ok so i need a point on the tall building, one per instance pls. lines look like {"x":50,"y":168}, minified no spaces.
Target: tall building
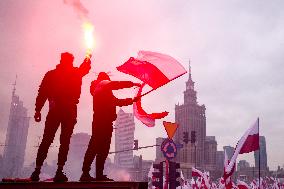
{"x":210,"y":153}
{"x":220,"y":160}
{"x":263,"y":154}
{"x":242,"y":165}
{"x":229,"y":150}
{"x":159,"y":153}
{"x":77,"y":149}
{"x":16,"y":138}
{"x":124,"y":139}
{"x":190,"y":116}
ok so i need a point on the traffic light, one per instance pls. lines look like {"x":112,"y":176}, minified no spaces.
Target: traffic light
{"x":185,"y":137}
{"x":193,"y":137}
{"x":135,"y":145}
{"x":173,"y":174}
{"x":157,"y":179}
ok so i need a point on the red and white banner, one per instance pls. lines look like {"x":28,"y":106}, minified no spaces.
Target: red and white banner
{"x":252,"y":141}
{"x":155,"y":69}
{"x":248,"y":143}
{"x":242,"y":185}
{"x":144,"y":117}
{"x":196,"y":173}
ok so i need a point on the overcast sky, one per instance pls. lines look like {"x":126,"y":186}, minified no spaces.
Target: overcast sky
{"x":236,"y":49}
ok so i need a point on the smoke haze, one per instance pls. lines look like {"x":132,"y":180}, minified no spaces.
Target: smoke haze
{"x":235,"y":48}
{"x":78,"y":7}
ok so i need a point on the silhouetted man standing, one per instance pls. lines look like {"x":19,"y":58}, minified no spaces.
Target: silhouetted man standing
{"x":104,"y":107}
{"x":62,"y":88}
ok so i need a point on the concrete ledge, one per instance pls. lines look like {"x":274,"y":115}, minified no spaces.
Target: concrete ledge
{"x":72,"y":185}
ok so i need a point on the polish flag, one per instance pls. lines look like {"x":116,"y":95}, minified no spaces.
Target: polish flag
{"x":196,"y":173}
{"x":242,"y":185}
{"x":204,"y":177}
{"x":155,"y":69}
{"x":182,"y":182}
{"x":150,"y":173}
{"x":144,"y":117}
{"x":252,"y":141}
{"x":227,"y":176}
{"x":248,"y":143}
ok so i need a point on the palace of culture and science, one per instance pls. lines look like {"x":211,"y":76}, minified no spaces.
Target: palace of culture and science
{"x":190,"y":116}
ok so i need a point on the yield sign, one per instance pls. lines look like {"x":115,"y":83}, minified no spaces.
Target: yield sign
{"x":170,"y":128}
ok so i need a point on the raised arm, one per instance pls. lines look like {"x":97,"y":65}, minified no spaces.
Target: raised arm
{"x":85,"y":67}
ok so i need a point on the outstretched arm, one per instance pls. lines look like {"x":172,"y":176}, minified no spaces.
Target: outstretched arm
{"x":124,"y":102}
{"x":115,"y":85}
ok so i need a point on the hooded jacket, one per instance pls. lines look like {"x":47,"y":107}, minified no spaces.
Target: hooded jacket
{"x":104,"y":102}
{"x":62,"y":86}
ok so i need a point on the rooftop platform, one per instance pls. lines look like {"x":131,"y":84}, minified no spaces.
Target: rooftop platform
{"x":74,"y":185}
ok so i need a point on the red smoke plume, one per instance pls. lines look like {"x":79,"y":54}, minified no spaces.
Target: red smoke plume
{"x":78,"y":7}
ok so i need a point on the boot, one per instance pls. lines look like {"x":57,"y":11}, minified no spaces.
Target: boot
{"x":103,"y":178}
{"x":60,"y":177}
{"x":86,"y":177}
{"x":35,"y":175}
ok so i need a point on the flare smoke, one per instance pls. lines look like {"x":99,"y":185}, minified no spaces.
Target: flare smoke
{"x":78,"y":7}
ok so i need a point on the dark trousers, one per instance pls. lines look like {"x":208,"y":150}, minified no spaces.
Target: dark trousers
{"x":65,"y":116}
{"x":98,"y":147}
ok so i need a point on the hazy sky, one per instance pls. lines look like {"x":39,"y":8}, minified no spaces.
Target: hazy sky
{"x":236,"y":50}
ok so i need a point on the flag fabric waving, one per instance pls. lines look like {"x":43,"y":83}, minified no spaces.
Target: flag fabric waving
{"x":155,"y":69}
{"x":248,"y":143}
{"x":196,"y":173}
{"x":252,"y":141}
{"x":144,"y":117}
{"x":242,"y":185}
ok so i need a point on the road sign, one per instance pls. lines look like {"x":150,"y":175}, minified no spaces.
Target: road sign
{"x":179,"y":145}
{"x":170,"y":128}
{"x":169,"y":149}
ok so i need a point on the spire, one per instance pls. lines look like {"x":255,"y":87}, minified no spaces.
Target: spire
{"x":189,"y":93}
{"x":189,"y":83}
{"x":189,"y":67}
{"x":189,"y":71}
{"x":15,"y":83}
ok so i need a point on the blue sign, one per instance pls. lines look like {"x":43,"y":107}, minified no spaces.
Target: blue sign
{"x":179,"y":145}
{"x":169,"y":149}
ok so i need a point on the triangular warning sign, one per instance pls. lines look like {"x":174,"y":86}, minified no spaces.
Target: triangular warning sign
{"x":170,"y":128}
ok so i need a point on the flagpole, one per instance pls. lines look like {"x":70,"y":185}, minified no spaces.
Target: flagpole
{"x":258,"y":154}
{"x":161,"y":85}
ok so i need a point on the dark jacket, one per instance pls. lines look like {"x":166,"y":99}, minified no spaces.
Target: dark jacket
{"x":61,"y":86}
{"x":104,"y":102}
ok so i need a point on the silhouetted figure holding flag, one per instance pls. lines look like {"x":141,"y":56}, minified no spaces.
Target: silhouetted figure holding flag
{"x":62,"y":88}
{"x":104,"y":107}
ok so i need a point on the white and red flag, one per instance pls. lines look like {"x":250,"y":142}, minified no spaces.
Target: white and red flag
{"x":196,"y":173}
{"x":242,"y":185}
{"x":227,"y":175}
{"x":144,"y":117}
{"x":248,"y":143}
{"x":155,"y":69}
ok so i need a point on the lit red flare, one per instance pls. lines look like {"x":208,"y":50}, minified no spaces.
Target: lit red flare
{"x":88,"y":28}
